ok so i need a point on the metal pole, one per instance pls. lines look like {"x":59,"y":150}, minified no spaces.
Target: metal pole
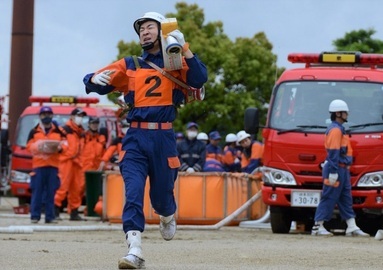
{"x":21,"y":61}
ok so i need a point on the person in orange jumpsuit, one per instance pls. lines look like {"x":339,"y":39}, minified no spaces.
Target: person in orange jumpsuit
{"x":251,"y":154}
{"x":70,"y":168}
{"x":115,"y":147}
{"x":94,"y":148}
{"x":44,"y":144}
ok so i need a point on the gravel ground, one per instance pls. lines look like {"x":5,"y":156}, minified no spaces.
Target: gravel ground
{"x":226,"y":248}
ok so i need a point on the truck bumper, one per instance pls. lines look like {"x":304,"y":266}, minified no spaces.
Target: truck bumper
{"x":20,"y":189}
{"x":281,"y":196}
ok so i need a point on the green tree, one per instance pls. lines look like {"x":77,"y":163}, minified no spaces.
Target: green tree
{"x":241,"y":72}
{"x":359,"y":40}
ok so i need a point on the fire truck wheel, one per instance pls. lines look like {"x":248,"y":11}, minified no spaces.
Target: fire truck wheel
{"x":280,"y":220}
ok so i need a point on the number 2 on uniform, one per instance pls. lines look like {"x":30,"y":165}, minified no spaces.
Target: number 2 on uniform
{"x":157,"y":83}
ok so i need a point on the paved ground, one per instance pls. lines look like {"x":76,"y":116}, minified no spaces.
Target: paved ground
{"x":94,"y":244}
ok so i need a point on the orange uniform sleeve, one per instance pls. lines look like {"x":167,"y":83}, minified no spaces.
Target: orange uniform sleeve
{"x":109,"y":153}
{"x":119,"y":78}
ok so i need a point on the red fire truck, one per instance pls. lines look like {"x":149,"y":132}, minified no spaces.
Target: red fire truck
{"x":62,"y":106}
{"x":294,"y":137}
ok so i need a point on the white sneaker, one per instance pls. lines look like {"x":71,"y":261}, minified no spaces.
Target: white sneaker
{"x":131,"y":261}
{"x":357,"y":232}
{"x":319,"y":230}
{"x":379,"y":235}
{"x":168,"y":230}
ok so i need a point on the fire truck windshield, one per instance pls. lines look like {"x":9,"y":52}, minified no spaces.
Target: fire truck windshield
{"x":297,"y":104}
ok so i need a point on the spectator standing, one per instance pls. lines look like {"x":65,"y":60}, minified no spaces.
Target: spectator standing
{"x":191,"y":152}
{"x":149,"y":147}
{"x":251,"y":154}
{"x":231,"y":154}
{"x":44,"y":142}
{"x":70,"y":168}
{"x":94,"y":148}
{"x":336,"y":175}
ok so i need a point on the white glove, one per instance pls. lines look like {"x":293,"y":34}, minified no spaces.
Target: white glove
{"x":236,"y":160}
{"x":190,"y":170}
{"x":179,"y":36}
{"x":102,"y":78}
{"x":332,"y":178}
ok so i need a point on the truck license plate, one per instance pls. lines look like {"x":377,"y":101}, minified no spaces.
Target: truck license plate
{"x":305,"y":198}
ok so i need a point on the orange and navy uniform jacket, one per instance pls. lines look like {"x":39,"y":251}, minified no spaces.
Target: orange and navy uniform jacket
{"x":38,"y":133}
{"x":114,"y":148}
{"x":252,"y":157}
{"x":154,"y":102}
{"x":75,"y":142}
{"x":212,"y":165}
{"x":94,"y":149}
{"x":214,"y":151}
{"x":229,"y":155}
{"x":338,"y":147}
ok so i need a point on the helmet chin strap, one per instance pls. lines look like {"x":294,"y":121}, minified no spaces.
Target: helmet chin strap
{"x":149,"y":45}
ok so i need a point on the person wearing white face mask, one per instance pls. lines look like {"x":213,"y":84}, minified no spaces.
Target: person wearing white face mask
{"x":191,"y":152}
{"x":70,"y":167}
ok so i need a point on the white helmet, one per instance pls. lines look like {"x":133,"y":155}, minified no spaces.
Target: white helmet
{"x":338,"y":105}
{"x":230,"y":138}
{"x":202,"y":136}
{"x":242,"y":135}
{"x":148,"y":16}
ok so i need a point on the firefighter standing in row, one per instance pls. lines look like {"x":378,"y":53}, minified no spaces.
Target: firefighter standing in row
{"x":70,"y":168}
{"x":336,"y":175}
{"x":149,"y":147}
{"x":94,"y":148}
{"x":44,"y":142}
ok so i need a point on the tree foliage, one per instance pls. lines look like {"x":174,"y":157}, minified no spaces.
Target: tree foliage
{"x":241,"y":72}
{"x":359,"y":40}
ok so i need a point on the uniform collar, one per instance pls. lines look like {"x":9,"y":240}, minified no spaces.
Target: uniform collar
{"x":148,"y":56}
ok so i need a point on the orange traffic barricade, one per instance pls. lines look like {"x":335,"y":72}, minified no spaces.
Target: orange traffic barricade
{"x":202,"y":198}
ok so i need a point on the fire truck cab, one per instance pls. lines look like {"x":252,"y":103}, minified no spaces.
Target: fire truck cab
{"x":293,"y":136}
{"x":62,"y":106}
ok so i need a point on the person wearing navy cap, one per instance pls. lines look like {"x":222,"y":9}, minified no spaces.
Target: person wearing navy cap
{"x":46,"y":109}
{"x":191,"y":152}
{"x":44,"y":144}
{"x":214,"y":153}
{"x":213,"y":149}
{"x":191,"y":124}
